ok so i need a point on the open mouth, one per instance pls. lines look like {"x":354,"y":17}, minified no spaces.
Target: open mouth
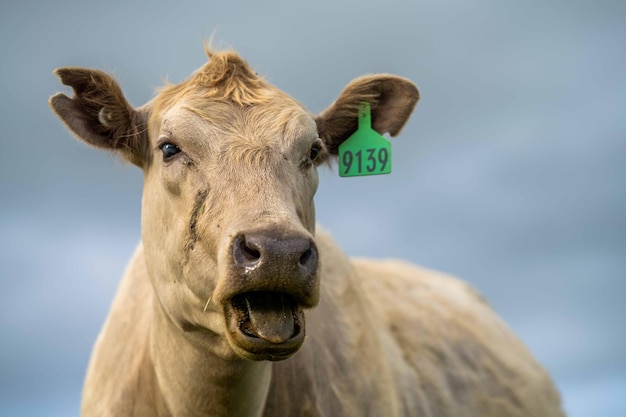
{"x":265,"y":325}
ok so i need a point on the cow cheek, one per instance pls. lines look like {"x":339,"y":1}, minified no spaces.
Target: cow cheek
{"x":200,"y":273}
{"x":308,"y":217}
{"x":173,"y":177}
{"x":163,"y":231}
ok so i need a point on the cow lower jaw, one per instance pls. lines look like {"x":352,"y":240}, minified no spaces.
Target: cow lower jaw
{"x":264,"y":325}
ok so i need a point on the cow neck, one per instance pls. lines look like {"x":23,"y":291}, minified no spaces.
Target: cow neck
{"x":199,"y":375}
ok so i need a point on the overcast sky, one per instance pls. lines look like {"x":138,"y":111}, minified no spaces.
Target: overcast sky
{"x":510,"y":174}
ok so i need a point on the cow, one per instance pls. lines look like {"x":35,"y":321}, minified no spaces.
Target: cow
{"x":236,"y":303}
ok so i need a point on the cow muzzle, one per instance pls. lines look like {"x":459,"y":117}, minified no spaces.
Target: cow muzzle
{"x":272,"y":279}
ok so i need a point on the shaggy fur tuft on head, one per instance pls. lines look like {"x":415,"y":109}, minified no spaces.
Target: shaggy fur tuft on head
{"x":226,"y":76}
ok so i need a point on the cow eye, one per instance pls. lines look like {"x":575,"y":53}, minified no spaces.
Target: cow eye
{"x":169,"y":150}
{"x":315,"y":151}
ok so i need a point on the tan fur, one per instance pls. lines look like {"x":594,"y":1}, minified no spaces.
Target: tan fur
{"x":385,"y":339}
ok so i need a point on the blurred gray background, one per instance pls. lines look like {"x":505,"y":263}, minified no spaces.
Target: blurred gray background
{"x":510,"y":174}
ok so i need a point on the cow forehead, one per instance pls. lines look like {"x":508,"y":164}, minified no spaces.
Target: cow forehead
{"x":217,"y":124}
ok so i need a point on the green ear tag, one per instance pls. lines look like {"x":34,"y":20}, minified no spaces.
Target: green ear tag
{"x":366,"y":152}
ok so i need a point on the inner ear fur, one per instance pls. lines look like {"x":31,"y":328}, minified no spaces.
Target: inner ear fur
{"x":392,"y":100}
{"x":99,"y":114}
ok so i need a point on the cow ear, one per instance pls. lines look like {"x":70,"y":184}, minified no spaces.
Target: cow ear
{"x":392,"y":100}
{"x":99,"y":114}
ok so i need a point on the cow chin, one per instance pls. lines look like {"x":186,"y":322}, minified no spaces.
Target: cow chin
{"x":264,"y":325}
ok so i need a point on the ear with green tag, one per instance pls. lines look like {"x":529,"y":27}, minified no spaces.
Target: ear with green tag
{"x":391,"y":99}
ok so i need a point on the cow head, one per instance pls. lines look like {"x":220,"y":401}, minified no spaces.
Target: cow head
{"x":230,"y":167}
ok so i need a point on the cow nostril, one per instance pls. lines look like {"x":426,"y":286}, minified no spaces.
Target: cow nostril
{"x":304,"y":258}
{"x":244,"y":254}
{"x":308,"y":259}
{"x":251,"y":254}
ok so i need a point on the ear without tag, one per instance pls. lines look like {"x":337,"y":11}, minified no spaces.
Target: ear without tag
{"x":365,"y":152}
